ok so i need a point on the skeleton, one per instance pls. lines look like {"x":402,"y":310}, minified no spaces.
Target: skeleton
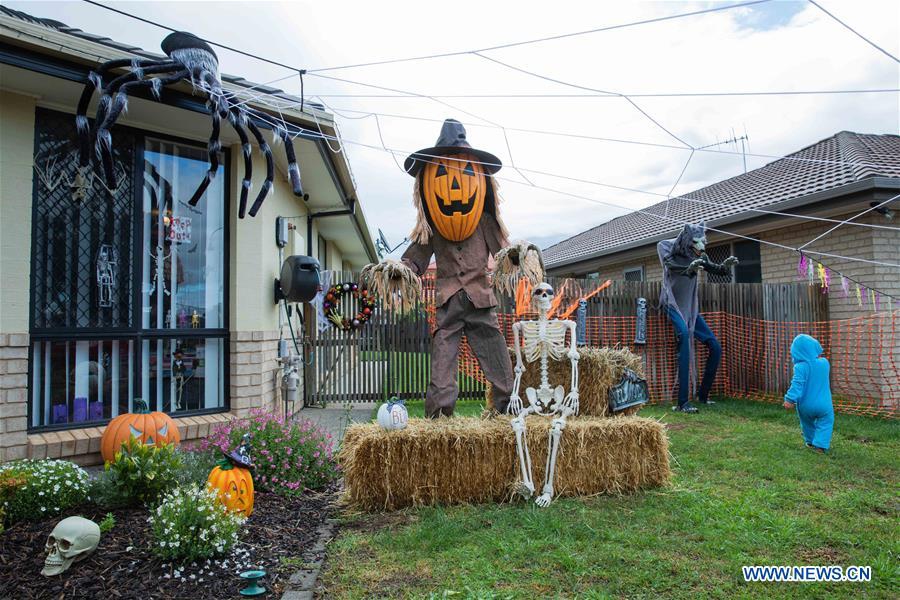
{"x":107,"y":262}
{"x":544,"y":339}
{"x":71,"y":540}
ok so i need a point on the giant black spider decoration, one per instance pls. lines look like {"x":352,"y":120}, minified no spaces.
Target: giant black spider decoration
{"x":189,"y":59}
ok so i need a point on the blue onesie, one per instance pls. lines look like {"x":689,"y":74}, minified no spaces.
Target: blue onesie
{"x":811,"y":391}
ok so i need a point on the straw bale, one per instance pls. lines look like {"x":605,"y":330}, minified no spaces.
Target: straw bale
{"x":598,"y":370}
{"x":472,"y":460}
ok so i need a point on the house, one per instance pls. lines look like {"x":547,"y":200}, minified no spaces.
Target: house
{"x":829,"y":181}
{"x":133,"y":293}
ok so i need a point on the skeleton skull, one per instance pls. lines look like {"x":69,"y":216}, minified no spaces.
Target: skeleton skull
{"x":543,"y":296}
{"x":71,"y":540}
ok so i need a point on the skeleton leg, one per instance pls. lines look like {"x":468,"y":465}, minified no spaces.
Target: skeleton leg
{"x":553,"y":441}
{"x":526,"y":487}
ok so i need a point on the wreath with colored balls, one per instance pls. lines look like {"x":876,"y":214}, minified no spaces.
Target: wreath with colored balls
{"x":332,"y":301}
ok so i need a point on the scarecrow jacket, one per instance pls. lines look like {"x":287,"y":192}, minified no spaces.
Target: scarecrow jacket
{"x":460,"y":265}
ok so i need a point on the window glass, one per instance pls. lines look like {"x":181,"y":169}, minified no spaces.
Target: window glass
{"x":718,"y":254}
{"x":82,"y":234}
{"x":182,"y":279}
{"x":183,"y":374}
{"x":80,"y":381}
{"x":749,"y":270}
{"x":634,"y":274}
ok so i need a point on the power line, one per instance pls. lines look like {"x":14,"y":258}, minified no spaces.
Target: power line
{"x":543,"y":39}
{"x":425,"y":157}
{"x":858,"y":34}
{"x":611,"y":95}
{"x":522,"y":170}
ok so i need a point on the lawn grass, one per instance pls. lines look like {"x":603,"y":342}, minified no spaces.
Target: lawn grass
{"x":412,"y":371}
{"x":745,"y":492}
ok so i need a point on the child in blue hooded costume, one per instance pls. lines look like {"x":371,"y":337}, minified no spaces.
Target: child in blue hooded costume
{"x":810,"y":391}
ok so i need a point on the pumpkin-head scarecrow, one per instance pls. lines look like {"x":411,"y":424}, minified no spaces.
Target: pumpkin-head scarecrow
{"x":458,"y":222}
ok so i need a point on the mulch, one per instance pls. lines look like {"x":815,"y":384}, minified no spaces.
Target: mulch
{"x":278,"y":537}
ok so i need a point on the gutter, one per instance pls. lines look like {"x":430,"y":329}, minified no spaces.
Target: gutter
{"x":870,"y":183}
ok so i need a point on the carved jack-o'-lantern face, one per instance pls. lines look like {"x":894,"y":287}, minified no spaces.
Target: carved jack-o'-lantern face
{"x":453,"y":188}
{"x":234,"y":486}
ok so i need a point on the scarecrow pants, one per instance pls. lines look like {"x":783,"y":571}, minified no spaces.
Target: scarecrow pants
{"x":457,"y":316}
{"x":703,"y":334}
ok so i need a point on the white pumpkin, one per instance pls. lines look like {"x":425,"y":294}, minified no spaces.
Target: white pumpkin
{"x":392,"y":415}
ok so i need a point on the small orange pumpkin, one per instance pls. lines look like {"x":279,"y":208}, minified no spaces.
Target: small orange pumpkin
{"x":234,"y":485}
{"x":453,"y":188}
{"x":151,"y":428}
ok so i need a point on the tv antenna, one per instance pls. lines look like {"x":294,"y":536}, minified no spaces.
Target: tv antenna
{"x":734,"y":139}
{"x":382,"y":246}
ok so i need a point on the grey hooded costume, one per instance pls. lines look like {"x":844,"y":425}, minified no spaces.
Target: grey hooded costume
{"x":678,"y":299}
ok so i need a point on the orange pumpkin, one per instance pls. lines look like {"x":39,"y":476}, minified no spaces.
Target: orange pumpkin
{"x":234,"y":485}
{"x":453,"y":188}
{"x":151,"y":428}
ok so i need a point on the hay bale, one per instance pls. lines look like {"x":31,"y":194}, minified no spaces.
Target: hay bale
{"x":598,"y":370}
{"x":470,"y":460}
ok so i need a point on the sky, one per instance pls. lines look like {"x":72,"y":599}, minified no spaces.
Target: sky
{"x":773,"y":46}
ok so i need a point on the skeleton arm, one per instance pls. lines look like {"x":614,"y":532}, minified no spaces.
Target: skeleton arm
{"x":515,"y":401}
{"x":571,"y":401}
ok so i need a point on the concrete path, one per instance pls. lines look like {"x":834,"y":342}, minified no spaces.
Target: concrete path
{"x":335,"y":419}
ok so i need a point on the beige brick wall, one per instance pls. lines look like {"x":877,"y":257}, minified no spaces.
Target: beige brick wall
{"x":780,"y":265}
{"x":254,"y":372}
{"x":13,"y":395}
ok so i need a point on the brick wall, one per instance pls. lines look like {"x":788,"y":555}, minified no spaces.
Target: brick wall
{"x":254,"y":371}
{"x":13,"y":404}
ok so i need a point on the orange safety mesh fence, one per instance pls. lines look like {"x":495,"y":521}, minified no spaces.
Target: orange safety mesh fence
{"x":864,"y":353}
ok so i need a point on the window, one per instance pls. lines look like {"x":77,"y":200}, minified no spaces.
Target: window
{"x":634,"y":273}
{"x":128,"y":288}
{"x":749,"y":269}
{"x":718,"y":254}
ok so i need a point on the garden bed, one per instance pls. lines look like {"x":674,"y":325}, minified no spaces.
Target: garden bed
{"x":278,"y":537}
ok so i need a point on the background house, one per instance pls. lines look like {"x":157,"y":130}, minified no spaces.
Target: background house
{"x":835,"y":178}
{"x":190,"y":325}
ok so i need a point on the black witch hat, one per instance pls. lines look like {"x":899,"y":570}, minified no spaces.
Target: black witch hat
{"x":452,"y":140}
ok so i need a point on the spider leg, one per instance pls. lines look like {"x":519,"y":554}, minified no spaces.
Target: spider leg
{"x":238,"y":119}
{"x":114,"y":101}
{"x":212,"y":148}
{"x":270,"y":167}
{"x":94,"y":82}
{"x":293,"y":166}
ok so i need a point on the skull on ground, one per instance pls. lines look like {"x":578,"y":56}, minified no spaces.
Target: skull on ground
{"x":71,"y":540}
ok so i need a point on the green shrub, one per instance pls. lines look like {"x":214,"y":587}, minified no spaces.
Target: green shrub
{"x":289,"y":455}
{"x":196,"y":465}
{"x":108,"y":522}
{"x":36,"y":489}
{"x":139,"y":474}
{"x":191,"y":523}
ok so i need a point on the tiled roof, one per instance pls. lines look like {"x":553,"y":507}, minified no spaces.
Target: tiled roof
{"x":105,"y":41}
{"x":843,"y":158}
